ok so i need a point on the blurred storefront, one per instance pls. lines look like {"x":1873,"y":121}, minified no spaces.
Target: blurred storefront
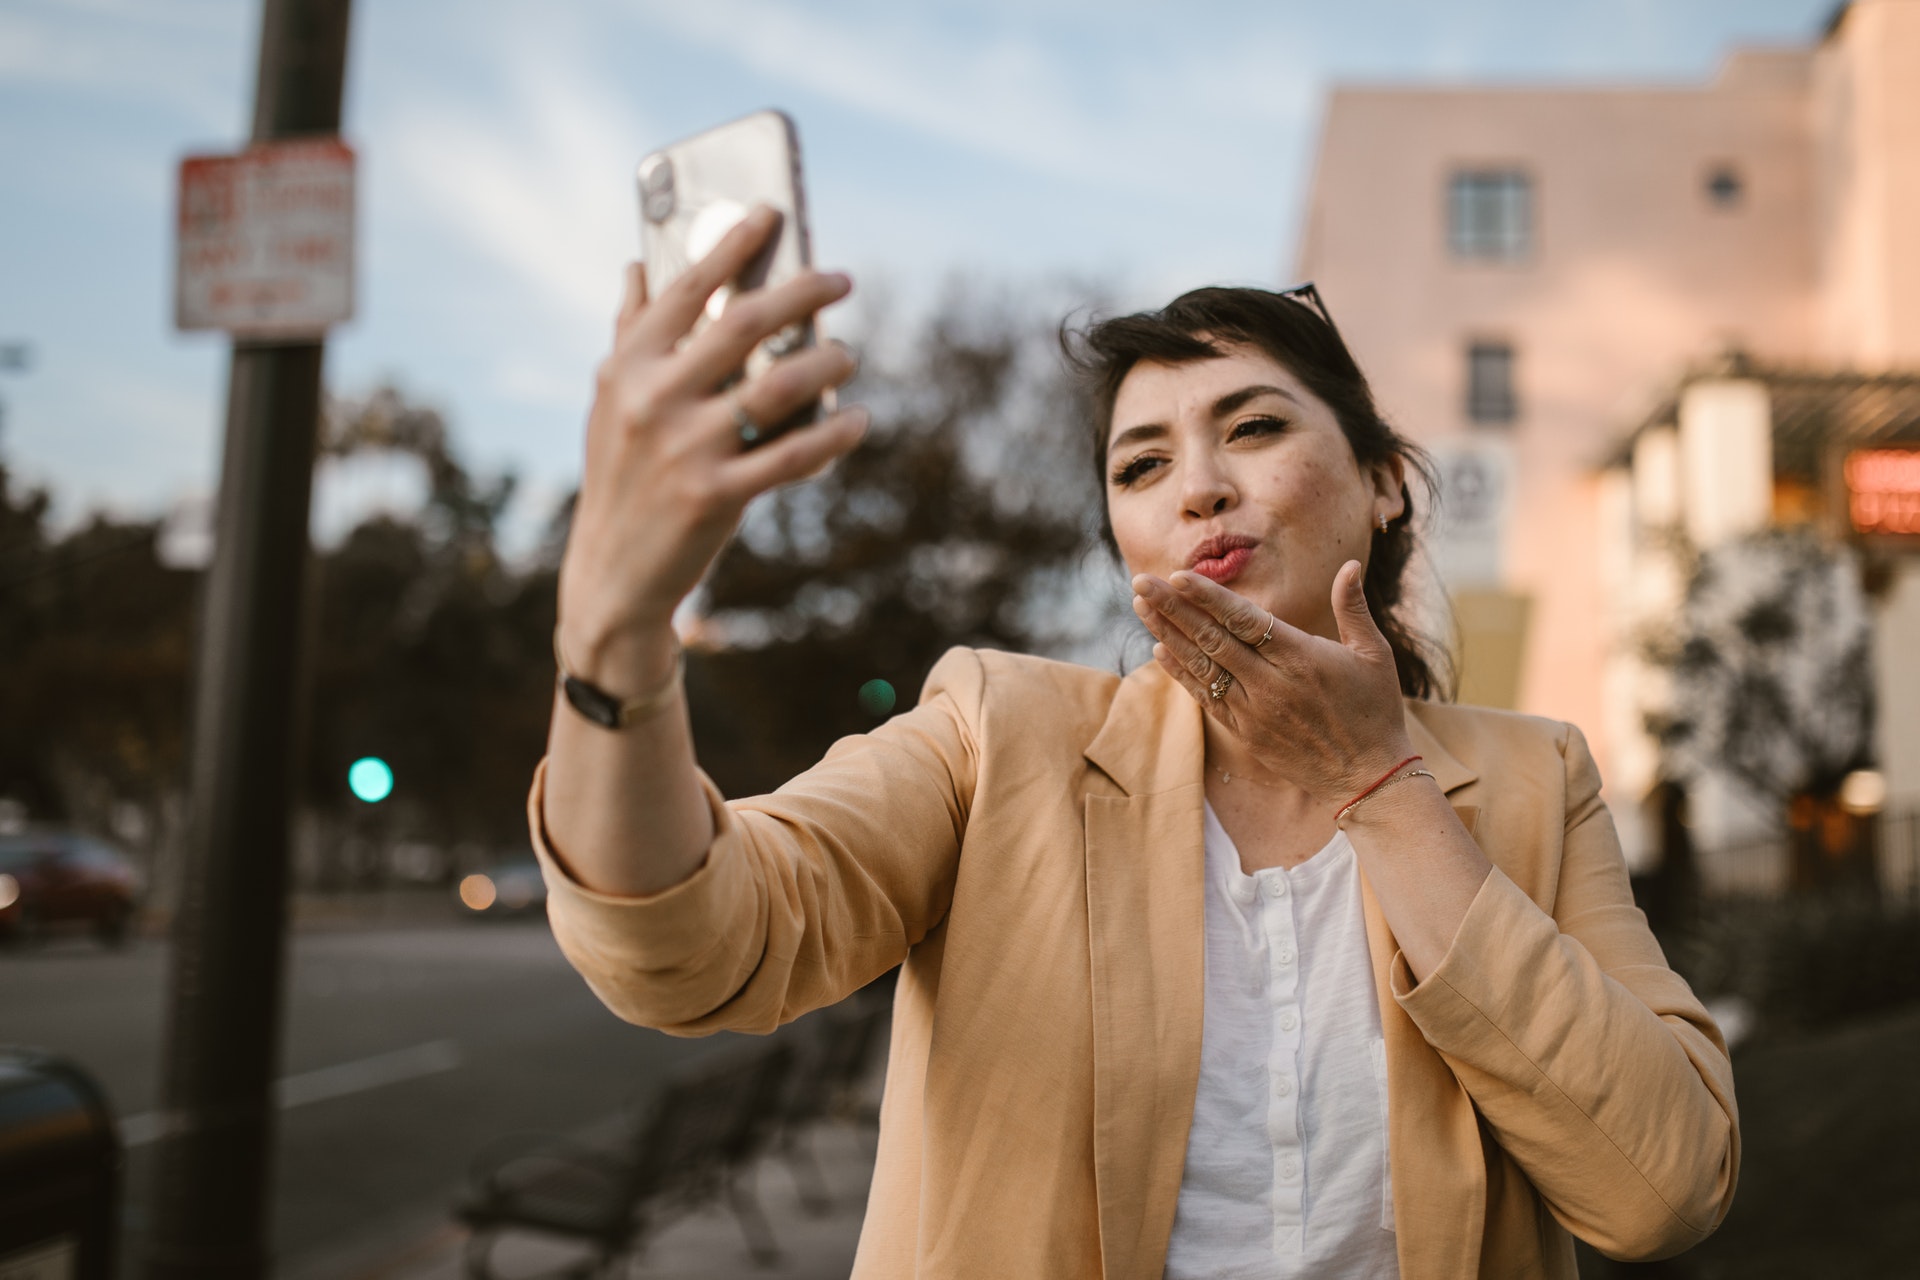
{"x":1528,"y":273}
{"x":1739,"y":449}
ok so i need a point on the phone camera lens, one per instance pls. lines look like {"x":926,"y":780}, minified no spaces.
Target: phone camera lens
{"x":656,"y":188}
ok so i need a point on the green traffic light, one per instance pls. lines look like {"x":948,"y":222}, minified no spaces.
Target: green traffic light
{"x":370,"y":779}
{"x":876,"y":697}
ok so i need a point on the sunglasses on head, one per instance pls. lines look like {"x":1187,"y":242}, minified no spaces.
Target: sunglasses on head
{"x":1310,"y":296}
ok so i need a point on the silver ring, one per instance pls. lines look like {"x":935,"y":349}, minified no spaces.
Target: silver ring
{"x":744,"y":426}
{"x":1263,"y":639}
{"x":1221,"y":683}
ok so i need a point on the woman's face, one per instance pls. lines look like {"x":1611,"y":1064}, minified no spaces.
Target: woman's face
{"x":1230,"y":467}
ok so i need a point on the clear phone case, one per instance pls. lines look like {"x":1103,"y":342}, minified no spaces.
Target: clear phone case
{"x":694,"y":191}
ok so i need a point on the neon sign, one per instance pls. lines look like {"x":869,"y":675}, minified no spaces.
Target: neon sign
{"x":1883,"y":491}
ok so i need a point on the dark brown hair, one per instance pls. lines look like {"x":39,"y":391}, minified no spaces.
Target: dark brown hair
{"x":1193,"y":327}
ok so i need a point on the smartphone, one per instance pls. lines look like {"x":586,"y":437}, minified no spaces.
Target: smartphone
{"x":694,"y":191}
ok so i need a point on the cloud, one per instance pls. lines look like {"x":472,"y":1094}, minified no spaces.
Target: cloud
{"x":537,"y":181}
{"x":163,"y":436}
{"x":1003,"y":96}
{"x":542,"y":384}
{"x":1009,"y":90}
{"x":184,"y":57}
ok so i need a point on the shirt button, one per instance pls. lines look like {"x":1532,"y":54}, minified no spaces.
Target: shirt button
{"x":1289,"y":1168}
{"x":1277,"y":887}
{"x":1283,"y":1086}
{"x":1288,"y":1022}
{"x":1284,"y":956}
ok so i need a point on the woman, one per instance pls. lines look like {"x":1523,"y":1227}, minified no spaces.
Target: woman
{"x":1245,"y":964}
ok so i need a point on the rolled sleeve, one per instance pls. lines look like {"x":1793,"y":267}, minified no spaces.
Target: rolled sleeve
{"x":804,"y":895}
{"x":664,"y":958}
{"x":1593,"y":1063}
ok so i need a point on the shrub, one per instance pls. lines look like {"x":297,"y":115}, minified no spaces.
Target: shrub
{"x":1806,"y":960}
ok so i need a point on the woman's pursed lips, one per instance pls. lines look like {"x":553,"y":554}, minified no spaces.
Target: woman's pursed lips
{"x":1226,"y":567}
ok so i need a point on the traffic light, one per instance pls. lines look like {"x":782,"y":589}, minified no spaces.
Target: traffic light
{"x":370,"y":779}
{"x":876,"y":697}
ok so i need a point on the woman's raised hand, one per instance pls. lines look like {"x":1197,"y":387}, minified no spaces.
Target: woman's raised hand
{"x":666,"y":473}
{"x":1324,"y":715}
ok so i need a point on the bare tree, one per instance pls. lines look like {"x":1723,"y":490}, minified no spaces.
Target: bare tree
{"x":95,"y":642}
{"x":966,"y":517}
{"x":430,"y":650}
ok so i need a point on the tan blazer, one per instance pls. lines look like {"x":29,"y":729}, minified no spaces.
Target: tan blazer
{"x":1028,"y":841}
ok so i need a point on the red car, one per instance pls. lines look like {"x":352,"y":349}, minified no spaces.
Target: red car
{"x":51,"y":878}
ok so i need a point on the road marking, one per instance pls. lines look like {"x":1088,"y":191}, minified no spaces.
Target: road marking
{"x":426,"y":1059}
{"x":336,"y":1081}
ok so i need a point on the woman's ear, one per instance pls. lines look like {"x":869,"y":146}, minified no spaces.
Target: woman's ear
{"x":1389,"y":477}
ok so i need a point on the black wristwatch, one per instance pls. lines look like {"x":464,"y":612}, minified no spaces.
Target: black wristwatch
{"x":601,"y":707}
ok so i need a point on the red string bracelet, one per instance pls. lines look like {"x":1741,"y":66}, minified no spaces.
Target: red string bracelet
{"x":1379,"y":782}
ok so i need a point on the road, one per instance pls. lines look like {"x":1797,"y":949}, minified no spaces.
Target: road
{"x":406,"y":1050}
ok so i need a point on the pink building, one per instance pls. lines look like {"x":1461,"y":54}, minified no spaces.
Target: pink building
{"x":1527,"y":272}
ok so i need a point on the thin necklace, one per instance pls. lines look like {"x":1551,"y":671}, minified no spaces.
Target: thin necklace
{"x":1243,"y":778}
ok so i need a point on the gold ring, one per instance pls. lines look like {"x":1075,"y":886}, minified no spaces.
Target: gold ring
{"x":1221,"y":683}
{"x":1263,"y":639}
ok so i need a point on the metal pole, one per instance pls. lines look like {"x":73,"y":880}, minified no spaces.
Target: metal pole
{"x":213,"y":1175}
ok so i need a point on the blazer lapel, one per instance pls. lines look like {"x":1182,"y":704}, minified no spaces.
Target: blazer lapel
{"x":1433,"y":1139}
{"x":1447,"y":770}
{"x":1146,"y":921}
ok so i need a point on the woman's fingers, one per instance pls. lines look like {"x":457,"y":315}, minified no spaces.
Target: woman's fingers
{"x":1243,"y":619}
{"x":751,"y":318}
{"x":1358,"y":630}
{"x":794,"y":456}
{"x":667,"y":320}
{"x":795,"y":382}
{"x":633,"y":296}
{"x":1186,"y":679}
{"x":1178,"y":644}
{"x":1201,"y":629}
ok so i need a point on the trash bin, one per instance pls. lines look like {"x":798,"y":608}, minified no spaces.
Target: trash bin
{"x":59,"y":1170}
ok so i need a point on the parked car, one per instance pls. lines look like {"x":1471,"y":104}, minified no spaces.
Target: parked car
{"x":59,"y":878}
{"x":510,"y":887}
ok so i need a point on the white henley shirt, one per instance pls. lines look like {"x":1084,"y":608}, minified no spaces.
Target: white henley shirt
{"x":1286,"y":1172}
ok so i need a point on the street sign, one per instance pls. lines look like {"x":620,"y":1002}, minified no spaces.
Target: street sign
{"x":1468,"y":535}
{"x":265,"y":240}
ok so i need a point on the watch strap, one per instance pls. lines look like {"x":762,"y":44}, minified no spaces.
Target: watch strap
{"x":603,"y":708}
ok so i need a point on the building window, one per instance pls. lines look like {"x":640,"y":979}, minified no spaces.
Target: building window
{"x":1725,"y":189}
{"x":1490,"y":214}
{"x":1490,"y":397}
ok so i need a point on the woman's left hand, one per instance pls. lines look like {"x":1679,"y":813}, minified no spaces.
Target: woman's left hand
{"x":1325,"y":715}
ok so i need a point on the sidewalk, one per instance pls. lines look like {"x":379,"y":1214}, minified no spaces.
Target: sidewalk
{"x":706,"y":1245}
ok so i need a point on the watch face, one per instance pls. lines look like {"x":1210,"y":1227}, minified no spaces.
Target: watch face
{"x":592,"y":703}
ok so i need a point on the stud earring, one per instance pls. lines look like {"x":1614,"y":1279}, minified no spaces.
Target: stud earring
{"x":1382,"y":520}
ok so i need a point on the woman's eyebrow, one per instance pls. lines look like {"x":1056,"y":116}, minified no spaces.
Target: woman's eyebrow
{"x":1233,"y":400}
{"x":1225,"y":405}
{"x":1145,"y":431}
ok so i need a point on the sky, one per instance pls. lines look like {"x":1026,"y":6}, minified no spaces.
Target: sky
{"x":1137,"y":149}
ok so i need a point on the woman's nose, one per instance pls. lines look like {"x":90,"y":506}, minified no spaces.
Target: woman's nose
{"x":1207,"y":492}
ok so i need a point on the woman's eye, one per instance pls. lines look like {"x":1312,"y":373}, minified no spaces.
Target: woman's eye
{"x":1256,"y":427}
{"x":1132,"y":471}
